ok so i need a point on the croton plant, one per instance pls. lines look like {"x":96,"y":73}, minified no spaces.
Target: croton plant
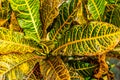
{"x":58,"y":39}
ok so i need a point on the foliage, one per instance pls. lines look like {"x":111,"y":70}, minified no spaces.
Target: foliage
{"x":58,"y":39}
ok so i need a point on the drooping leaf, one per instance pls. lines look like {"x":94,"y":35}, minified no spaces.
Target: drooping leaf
{"x":28,"y":17}
{"x":11,"y":41}
{"x":49,"y":11}
{"x":17,"y":66}
{"x":94,"y":39}
{"x":67,"y":13}
{"x":54,"y":69}
{"x":96,"y":8}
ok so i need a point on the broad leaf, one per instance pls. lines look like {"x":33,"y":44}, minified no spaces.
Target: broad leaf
{"x":49,"y":11}
{"x":17,"y":66}
{"x":82,"y":69}
{"x":28,"y":17}
{"x":54,"y":69}
{"x":94,"y":39}
{"x":96,"y":8}
{"x":112,"y":14}
{"x":11,"y":41}
{"x":67,"y":13}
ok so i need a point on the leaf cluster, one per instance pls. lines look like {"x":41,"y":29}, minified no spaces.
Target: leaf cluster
{"x":58,"y":39}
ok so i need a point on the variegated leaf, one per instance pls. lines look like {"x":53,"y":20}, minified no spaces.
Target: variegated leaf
{"x":67,"y":13}
{"x":17,"y":66}
{"x":11,"y":41}
{"x":112,"y":14}
{"x":94,"y":39}
{"x":28,"y":17}
{"x":49,"y":11}
{"x":96,"y":8}
{"x":54,"y":69}
{"x":81,"y":70}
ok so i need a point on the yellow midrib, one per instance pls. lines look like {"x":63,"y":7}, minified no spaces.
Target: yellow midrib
{"x":18,"y":44}
{"x":50,"y":63}
{"x":64,"y":23}
{"x":33,"y":21}
{"x":72,"y":42}
{"x":17,"y":65}
{"x":96,"y":9}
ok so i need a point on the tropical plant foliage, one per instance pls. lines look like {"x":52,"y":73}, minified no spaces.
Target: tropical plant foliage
{"x":58,"y":39}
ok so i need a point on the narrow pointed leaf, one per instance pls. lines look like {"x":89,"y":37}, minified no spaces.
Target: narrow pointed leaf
{"x":96,"y":8}
{"x":94,"y":39}
{"x":16,"y":66}
{"x":28,"y":17}
{"x":49,"y":11}
{"x":67,"y":12}
{"x":11,"y":41}
{"x":54,"y":69}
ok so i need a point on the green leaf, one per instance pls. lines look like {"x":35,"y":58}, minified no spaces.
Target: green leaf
{"x":112,"y":15}
{"x":96,"y":8}
{"x":28,"y":17}
{"x":11,"y":41}
{"x":17,"y":66}
{"x":81,"y":69}
{"x":54,"y":69}
{"x":94,"y":39}
{"x":49,"y":11}
{"x":67,"y":13}
{"x":113,"y":1}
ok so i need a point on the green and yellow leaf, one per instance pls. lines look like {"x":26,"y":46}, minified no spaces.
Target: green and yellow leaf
{"x":28,"y":17}
{"x":17,"y":66}
{"x":4,"y":10}
{"x":112,"y":14}
{"x":11,"y":41}
{"x":80,"y":69}
{"x":67,"y":13}
{"x":96,"y":8}
{"x":54,"y":69}
{"x":94,"y":39}
{"x":80,"y":14}
{"x":49,"y":11}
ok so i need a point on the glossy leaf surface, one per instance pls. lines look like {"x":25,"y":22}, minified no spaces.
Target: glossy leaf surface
{"x":28,"y":17}
{"x":67,"y":13}
{"x":81,"y":70}
{"x":96,"y":8}
{"x":11,"y":41}
{"x":94,"y":39}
